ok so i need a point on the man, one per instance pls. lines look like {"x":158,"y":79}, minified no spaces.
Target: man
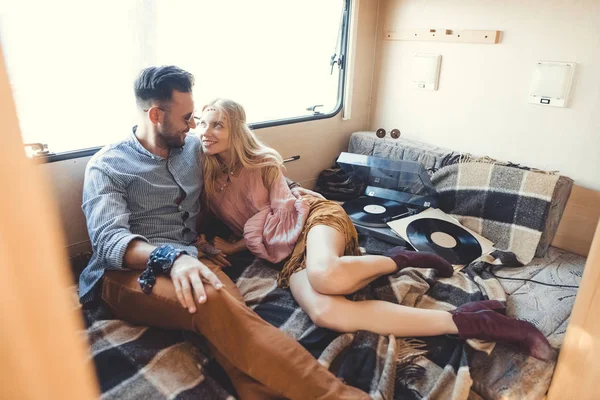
{"x":141,"y":201}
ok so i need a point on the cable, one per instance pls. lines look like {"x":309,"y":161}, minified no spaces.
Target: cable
{"x":530,"y":280}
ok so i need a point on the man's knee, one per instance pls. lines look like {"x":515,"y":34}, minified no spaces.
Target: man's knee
{"x":224,"y":297}
{"x":213,"y":267}
{"x":211,"y":292}
{"x":228,"y":284}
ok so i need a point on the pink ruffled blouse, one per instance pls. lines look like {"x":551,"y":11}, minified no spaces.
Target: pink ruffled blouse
{"x":270,"y":221}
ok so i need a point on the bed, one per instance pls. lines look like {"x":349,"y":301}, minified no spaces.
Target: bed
{"x":136,"y":362}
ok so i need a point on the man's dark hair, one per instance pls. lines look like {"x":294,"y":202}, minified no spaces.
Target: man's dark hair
{"x":157,"y":84}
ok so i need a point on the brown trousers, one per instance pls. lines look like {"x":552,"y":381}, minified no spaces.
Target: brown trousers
{"x":262,"y":361}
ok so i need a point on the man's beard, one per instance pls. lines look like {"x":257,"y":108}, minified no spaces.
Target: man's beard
{"x":173,"y":141}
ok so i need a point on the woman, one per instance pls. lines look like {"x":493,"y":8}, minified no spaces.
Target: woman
{"x":246,"y":189}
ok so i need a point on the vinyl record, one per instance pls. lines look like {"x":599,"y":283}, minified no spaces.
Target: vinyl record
{"x":445,"y":239}
{"x":370,"y":211}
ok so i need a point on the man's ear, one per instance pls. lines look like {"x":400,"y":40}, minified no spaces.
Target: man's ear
{"x":154,"y":115}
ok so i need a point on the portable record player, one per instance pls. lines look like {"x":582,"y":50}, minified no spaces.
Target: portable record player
{"x":393,"y":189}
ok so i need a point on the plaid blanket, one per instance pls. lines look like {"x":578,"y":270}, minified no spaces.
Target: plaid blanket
{"x":507,"y":205}
{"x":140,"y":362}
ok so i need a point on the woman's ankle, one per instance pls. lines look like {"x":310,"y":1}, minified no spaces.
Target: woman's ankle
{"x":451,"y":327}
{"x":404,"y":258}
{"x":389,"y":265}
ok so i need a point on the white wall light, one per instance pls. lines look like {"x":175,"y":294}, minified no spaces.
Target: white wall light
{"x":426,"y":71}
{"x":551,"y":83}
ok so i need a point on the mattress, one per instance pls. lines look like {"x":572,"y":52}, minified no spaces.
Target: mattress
{"x":547,"y":307}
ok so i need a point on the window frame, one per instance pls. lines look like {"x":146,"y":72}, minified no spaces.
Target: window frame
{"x":345,"y":22}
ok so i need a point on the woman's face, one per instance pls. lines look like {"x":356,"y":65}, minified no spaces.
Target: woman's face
{"x":214,"y":132}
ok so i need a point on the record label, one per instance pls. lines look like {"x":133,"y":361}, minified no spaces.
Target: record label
{"x":374,"y":209}
{"x":371,"y":211}
{"x":445,"y":239}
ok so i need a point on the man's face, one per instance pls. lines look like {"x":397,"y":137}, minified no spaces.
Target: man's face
{"x":214,"y":132}
{"x":177,"y":120}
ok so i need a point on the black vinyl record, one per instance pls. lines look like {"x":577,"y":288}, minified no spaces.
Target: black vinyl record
{"x":427,"y":234}
{"x":370,"y":211}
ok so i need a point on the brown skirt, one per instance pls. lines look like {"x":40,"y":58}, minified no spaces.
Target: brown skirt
{"x":322,"y":212}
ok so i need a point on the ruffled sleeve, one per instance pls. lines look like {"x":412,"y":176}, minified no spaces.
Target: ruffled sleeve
{"x":272,"y":233}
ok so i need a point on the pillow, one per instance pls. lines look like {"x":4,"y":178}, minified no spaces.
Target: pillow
{"x":432,"y":157}
{"x":561,"y":194}
{"x":507,"y":205}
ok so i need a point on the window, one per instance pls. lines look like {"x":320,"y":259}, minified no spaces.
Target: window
{"x":73,"y":77}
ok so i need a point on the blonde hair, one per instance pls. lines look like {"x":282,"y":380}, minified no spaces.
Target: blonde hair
{"x":245,"y":149}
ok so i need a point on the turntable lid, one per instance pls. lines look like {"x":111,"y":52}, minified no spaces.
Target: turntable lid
{"x":388,"y":177}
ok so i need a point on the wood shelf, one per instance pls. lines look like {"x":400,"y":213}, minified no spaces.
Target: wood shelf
{"x":445,"y":35}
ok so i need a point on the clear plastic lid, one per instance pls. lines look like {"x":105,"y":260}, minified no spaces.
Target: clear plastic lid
{"x":398,"y":180}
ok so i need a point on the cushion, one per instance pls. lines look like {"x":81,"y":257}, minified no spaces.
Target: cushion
{"x":507,"y":205}
{"x":432,"y":157}
{"x":562,"y":190}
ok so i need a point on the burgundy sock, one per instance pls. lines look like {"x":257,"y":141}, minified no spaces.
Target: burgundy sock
{"x":406,"y":258}
{"x":495,"y":327}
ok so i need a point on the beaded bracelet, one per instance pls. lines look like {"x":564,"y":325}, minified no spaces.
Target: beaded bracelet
{"x":161,"y":261}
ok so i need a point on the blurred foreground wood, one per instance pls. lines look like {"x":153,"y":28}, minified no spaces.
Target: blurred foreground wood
{"x":42,"y":349}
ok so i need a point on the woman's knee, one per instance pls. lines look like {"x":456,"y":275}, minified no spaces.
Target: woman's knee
{"x":322,"y":313}
{"x":327,"y":276}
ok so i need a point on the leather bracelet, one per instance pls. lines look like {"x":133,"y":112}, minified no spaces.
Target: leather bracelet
{"x":161,"y":261}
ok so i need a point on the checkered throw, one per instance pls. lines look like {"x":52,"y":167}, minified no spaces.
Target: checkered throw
{"x":139,"y":362}
{"x":507,"y":205}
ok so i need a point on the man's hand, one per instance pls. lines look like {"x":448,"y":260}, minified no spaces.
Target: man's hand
{"x":188,"y":274}
{"x":300,"y":191}
{"x":211,"y":252}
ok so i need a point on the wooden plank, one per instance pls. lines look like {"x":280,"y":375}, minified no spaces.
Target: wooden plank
{"x":445,"y":35}
{"x":44,"y":354}
{"x":579,"y":221}
{"x":577,"y":372}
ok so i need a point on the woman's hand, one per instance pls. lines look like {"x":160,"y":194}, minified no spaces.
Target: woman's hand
{"x":300,"y":191}
{"x":227,"y":247}
{"x":212,"y":253}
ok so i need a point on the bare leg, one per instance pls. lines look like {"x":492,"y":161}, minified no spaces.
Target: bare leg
{"x":330,"y":272}
{"x":340,"y":314}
